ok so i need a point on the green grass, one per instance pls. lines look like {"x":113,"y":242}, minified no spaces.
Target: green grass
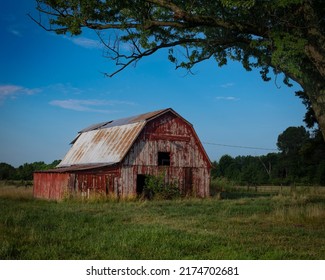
{"x":288,"y":225}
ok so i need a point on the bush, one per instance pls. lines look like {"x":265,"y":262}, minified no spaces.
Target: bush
{"x":320,"y":174}
{"x":156,"y":187}
{"x":221,"y":184}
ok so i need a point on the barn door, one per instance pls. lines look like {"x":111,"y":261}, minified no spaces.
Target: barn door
{"x":109,"y":184}
{"x":188,"y":182}
{"x":141,"y":181}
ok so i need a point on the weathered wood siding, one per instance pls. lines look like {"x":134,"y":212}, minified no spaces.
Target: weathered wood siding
{"x":99,"y":182}
{"x":50,"y":185}
{"x":189,"y":165}
{"x":57,"y":185}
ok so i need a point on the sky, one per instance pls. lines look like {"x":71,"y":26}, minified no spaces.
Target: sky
{"x":53,"y":86}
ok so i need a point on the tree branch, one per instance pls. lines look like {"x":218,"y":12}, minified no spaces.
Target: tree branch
{"x":39,"y":23}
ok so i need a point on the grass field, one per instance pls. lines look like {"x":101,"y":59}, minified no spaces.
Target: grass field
{"x":286,"y":224}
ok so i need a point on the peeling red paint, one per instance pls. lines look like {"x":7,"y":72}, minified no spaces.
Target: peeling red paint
{"x":164,"y":131}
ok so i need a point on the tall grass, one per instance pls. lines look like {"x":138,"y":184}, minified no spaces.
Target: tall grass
{"x":287,"y":225}
{"x":15,"y":191}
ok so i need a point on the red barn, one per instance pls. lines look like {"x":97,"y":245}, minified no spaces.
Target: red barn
{"x":114,"y":158}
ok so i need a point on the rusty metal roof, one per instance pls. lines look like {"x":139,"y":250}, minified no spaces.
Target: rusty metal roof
{"x":106,"y":142}
{"x":106,"y":145}
{"x":124,"y":121}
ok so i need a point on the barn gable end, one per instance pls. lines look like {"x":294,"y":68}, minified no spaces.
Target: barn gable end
{"x":114,"y":157}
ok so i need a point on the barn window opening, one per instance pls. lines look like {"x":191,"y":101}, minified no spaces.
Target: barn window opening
{"x":163,"y":159}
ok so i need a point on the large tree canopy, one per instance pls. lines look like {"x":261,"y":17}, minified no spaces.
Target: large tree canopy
{"x":292,"y":140}
{"x":286,"y":36}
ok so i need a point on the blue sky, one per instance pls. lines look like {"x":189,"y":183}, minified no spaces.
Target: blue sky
{"x":52,"y":86}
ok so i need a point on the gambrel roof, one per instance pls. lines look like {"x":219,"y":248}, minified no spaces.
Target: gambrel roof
{"x":107,"y":143}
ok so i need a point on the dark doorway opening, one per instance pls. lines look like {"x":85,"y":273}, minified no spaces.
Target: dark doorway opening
{"x":141,"y":181}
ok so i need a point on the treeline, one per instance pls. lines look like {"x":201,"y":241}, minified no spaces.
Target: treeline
{"x":25,"y":171}
{"x":301,"y":161}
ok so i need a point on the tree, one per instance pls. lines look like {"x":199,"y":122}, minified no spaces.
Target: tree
{"x":53,"y":164}
{"x":286,"y":36}
{"x":292,"y":140}
{"x":224,"y":163}
{"x":320,"y":174}
{"x":25,"y":171}
{"x":7,"y":171}
{"x":214,"y":170}
{"x":295,"y":144}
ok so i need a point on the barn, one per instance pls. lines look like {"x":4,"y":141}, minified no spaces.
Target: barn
{"x":113,"y":158}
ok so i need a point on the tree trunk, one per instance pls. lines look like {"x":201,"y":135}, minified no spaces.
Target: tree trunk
{"x":312,"y":81}
{"x":314,"y":86}
{"x":314,"y":73}
{"x":318,"y":106}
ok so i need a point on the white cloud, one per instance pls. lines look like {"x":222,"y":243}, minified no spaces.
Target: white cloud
{"x":227,"y":85}
{"x":85,"y":42}
{"x":66,"y":89}
{"x":90,"y":105}
{"x":15,"y":32}
{"x":13,"y":90}
{"x":7,"y":90}
{"x":227,"y":98}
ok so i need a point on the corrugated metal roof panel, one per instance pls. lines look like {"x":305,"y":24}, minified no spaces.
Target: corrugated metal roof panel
{"x":104,"y":145}
{"x":124,"y":121}
{"x":95,"y":126}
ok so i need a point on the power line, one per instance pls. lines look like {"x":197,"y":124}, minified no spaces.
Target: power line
{"x":241,"y":147}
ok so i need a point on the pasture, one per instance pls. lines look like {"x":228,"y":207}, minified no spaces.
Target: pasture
{"x":278,"y":223}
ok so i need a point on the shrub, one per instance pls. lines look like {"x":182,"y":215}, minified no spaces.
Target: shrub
{"x":320,"y":174}
{"x":156,"y":187}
